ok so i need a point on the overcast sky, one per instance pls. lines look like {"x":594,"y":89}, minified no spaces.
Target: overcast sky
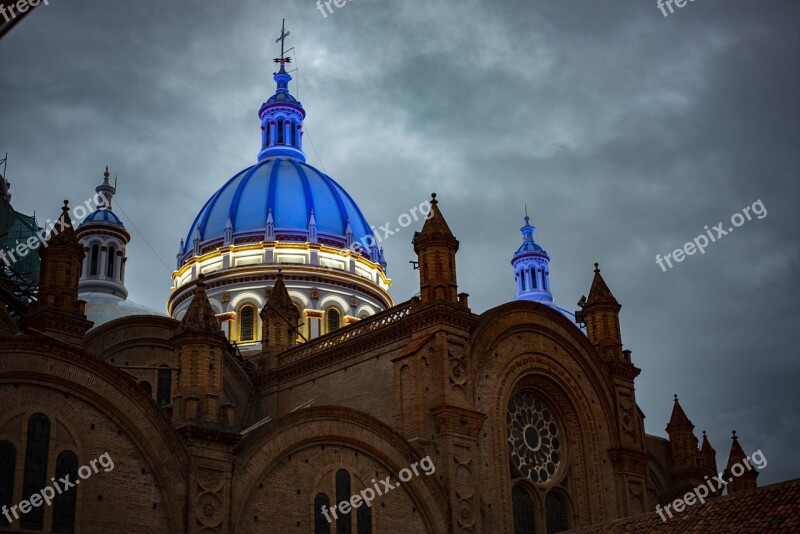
{"x":624,"y":131}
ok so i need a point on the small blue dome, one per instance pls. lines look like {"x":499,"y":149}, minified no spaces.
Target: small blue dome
{"x":529,"y":247}
{"x":102,"y":216}
{"x":289,"y":188}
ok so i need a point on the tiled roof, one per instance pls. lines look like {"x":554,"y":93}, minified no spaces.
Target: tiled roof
{"x":774,"y":509}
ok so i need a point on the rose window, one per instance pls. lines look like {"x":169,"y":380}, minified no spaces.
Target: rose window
{"x":534,"y":442}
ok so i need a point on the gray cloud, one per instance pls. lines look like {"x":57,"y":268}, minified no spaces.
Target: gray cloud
{"x":625,"y":133}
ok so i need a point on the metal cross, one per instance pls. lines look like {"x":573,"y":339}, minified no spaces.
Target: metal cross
{"x":282,"y":39}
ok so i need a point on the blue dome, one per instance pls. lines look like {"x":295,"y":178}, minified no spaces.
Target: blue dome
{"x":289,"y":188}
{"x":529,"y":247}
{"x":102,"y":216}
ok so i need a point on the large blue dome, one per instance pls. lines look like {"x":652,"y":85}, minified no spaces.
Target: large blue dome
{"x":289,"y":188}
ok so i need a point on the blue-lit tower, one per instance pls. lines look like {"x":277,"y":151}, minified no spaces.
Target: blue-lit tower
{"x":532,"y":268}
{"x":282,"y":122}
{"x":281,"y":218}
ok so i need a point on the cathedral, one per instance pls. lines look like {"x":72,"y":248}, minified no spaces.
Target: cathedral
{"x":283,"y":390}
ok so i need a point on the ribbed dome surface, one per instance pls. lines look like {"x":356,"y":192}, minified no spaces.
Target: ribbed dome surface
{"x":102,"y":216}
{"x":291,"y":189}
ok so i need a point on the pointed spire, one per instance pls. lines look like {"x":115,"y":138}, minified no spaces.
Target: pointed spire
{"x":106,"y":191}
{"x":678,"y":418}
{"x":739,"y":471}
{"x":279,"y":297}
{"x":599,"y":293}
{"x":58,"y":311}
{"x":737,"y":453}
{"x":348,"y":235}
{"x":279,"y":319}
{"x":436,"y":249}
{"x":435,"y":226}
{"x":312,"y":228}
{"x":269,"y":230}
{"x":63,"y":232}
{"x":282,"y":117}
{"x":532,"y":268}
{"x":196,"y":241}
{"x":708,"y":456}
{"x":228,"y":232}
{"x":200,"y":318}
{"x":181,"y":252}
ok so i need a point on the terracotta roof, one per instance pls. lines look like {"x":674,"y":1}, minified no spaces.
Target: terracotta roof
{"x":279,"y":298}
{"x":200,"y":317}
{"x":678,"y":417}
{"x":599,"y":292}
{"x":774,"y":509}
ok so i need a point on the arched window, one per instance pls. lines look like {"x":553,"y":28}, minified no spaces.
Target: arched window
{"x":294,"y":134}
{"x":247,"y":323}
{"x":534,"y":283}
{"x":95,"y":258}
{"x":524,"y":515}
{"x":280,"y":132}
{"x":35,"y":476}
{"x":545,"y":280}
{"x":522,"y":280}
{"x":8,"y":462}
{"x":146,"y":387}
{"x":164,"y":387}
{"x":343,"y":523}
{"x":64,"y":503}
{"x":334,"y":319}
{"x":557,"y":517}
{"x":269,"y":131}
{"x":321,"y":525}
{"x":364,"y":520}
{"x":112,"y":256}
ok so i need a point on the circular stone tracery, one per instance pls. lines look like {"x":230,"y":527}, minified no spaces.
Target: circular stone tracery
{"x":534,"y":443}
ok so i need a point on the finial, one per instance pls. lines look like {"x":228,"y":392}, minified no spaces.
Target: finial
{"x":201,"y":281}
{"x":282,"y":40}
{"x":66,"y":206}
{"x":597,"y":270}
{"x":433,"y":199}
{"x":734,"y":438}
{"x":527,"y":219}
{"x":676,"y":396}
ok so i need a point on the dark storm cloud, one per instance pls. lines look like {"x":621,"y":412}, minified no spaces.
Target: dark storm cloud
{"x":625,"y":133}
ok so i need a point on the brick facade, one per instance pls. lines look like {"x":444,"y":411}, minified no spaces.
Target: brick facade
{"x":247,"y":444}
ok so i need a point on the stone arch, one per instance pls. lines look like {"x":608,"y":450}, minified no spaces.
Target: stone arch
{"x":300,"y":298}
{"x":334,"y":301}
{"x":531,"y":346}
{"x":246,"y":297}
{"x":365,"y":308}
{"x":72,"y":373}
{"x":333,"y":427}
